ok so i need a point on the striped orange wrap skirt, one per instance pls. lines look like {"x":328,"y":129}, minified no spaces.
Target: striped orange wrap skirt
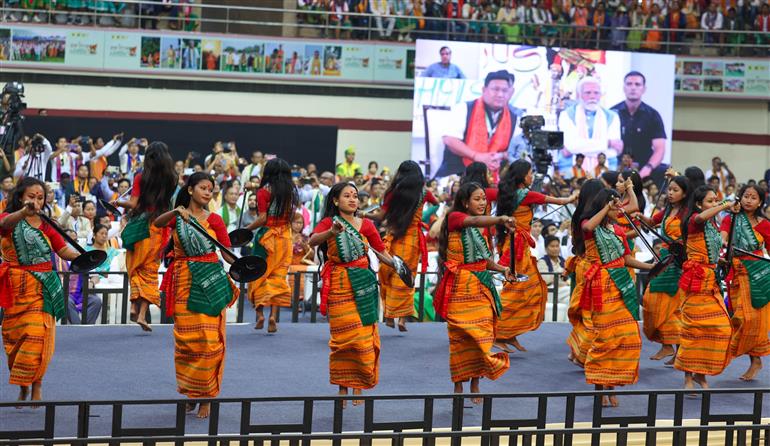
{"x":273,"y":288}
{"x":142,"y":264}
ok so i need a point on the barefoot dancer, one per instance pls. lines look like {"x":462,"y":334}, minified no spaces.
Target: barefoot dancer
{"x":663,"y":298}
{"x":523,"y":302}
{"x":402,"y":211}
{"x":197,"y":292}
{"x":30,"y":292}
{"x":349,"y":294}
{"x":466,"y":296}
{"x":142,"y":240}
{"x":276,"y":202}
{"x":705,"y":335}
{"x":610,"y":295}
{"x":582,"y":333}
{"x":749,"y":281}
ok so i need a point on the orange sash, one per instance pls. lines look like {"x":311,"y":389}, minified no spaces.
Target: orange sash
{"x":477,"y":136}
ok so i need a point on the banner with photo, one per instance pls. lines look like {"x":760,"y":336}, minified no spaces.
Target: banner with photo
{"x":614,"y":108}
{"x":723,"y":77}
{"x":155,"y":52}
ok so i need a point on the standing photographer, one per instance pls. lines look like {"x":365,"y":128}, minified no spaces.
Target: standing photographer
{"x":35,"y":159}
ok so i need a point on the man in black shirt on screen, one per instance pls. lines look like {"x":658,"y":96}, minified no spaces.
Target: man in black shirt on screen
{"x":641,"y":127}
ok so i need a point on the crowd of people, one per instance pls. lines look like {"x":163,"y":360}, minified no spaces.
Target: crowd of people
{"x":655,"y":25}
{"x":172,"y":14}
{"x":493,"y":240}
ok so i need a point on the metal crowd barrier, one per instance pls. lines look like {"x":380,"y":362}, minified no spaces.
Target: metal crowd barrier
{"x":554,"y":418}
{"x":304,"y":308}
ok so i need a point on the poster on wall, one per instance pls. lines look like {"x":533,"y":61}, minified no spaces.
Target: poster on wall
{"x":747,"y":78}
{"x":122,"y":51}
{"x":469,"y":98}
{"x":357,"y":62}
{"x":391,"y":63}
{"x":5,"y":43}
{"x":243,"y":56}
{"x":85,"y":48}
{"x":38,"y":45}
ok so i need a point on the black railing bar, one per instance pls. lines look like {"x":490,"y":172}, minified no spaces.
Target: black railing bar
{"x":406,"y":435}
{"x":331,"y":398}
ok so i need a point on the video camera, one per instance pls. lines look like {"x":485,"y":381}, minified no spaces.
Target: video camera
{"x":541,"y":141}
{"x":11,"y":99}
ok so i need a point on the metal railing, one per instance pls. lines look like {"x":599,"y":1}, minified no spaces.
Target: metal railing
{"x":424,"y":418}
{"x":268,"y":21}
{"x":116,"y":312}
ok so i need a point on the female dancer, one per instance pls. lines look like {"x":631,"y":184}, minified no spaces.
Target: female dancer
{"x":30,"y":292}
{"x":349,"y":291}
{"x":610,"y":296}
{"x":704,"y":339}
{"x":749,"y":280}
{"x":582,"y":332}
{"x":466,"y":297}
{"x":402,"y":211}
{"x":276,"y":202}
{"x":663,"y":298}
{"x":197,"y":292}
{"x":143,"y":242}
{"x":523,"y":302}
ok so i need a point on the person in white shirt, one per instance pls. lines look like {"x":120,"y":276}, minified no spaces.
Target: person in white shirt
{"x":130,"y":158}
{"x":254,"y":169}
{"x":35,"y":160}
{"x":68,"y":156}
{"x":711,"y":20}
{"x":719,"y":170}
{"x":230,"y":212}
{"x":553,"y":262}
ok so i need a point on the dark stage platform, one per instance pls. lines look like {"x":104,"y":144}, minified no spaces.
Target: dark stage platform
{"x":123,"y":363}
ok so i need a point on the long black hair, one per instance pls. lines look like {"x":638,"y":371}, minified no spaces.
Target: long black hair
{"x":696,"y":177}
{"x":183,"y":197}
{"x":610,"y":177}
{"x":514,"y":177}
{"x":636,"y":179}
{"x":16,"y":202}
{"x":405,"y":195}
{"x":158,"y":183}
{"x":459,"y":205}
{"x":587,"y":193}
{"x":697,"y":196}
{"x":277,"y":175}
{"x":760,"y":191}
{"x":596,"y":205}
{"x":476,"y":172}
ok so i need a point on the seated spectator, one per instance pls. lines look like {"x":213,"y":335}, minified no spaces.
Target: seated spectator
{"x":553,"y":262}
{"x":636,"y":20}
{"x":675,"y":19}
{"x":385,"y":25}
{"x":230,"y":212}
{"x":653,"y":22}
{"x":506,"y":18}
{"x":618,"y":22}
{"x":339,"y":20}
{"x":762,"y":27}
{"x":732,"y":22}
{"x":74,"y":218}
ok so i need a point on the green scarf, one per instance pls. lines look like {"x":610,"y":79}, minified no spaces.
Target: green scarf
{"x":137,"y":229}
{"x":758,"y":271}
{"x":210,"y":290}
{"x":743,"y":235}
{"x":31,"y":249}
{"x":226,"y":214}
{"x":351,"y":247}
{"x":475,"y":249}
{"x":713,"y":241}
{"x":668,"y":280}
{"x":610,"y":248}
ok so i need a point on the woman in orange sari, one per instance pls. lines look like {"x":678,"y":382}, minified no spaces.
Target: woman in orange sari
{"x":197,"y":292}
{"x":142,"y":240}
{"x":276,"y":201}
{"x":579,"y":340}
{"x":749,"y":280}
{"x":466,"y":296}
{"x":30,"y":291}
{"x":663,"y":298}
{"x":349,"y":295}
{"x":610,"y":296}
{"x":523,"y":302}
{"x":704,"y":340}
{"x":402,"y":211}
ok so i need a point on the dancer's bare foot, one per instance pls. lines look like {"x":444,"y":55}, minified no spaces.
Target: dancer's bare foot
{"x":754,"y":368}
{"x":343,"y":391}
{"x":357,"y":402}
{"x":145,"y":326}
{"x":700,"y":379}
{"x":689,"y":384}
{"x":23,"y":394}
{"x":189,"y":407}
{"x":670,"y":362}
{"x":665,"y":351}
{"x":203,"y":410}
{"x":613,"y":399}
{"x":475,"y":389}
{"x":260,"y":323}
{"x":515,"y":343}
{"x":37,"y":392}
{"x":272,"y":326}
{"x":573,"y":359}
{"x":605,"y":398}
{"x":390,"y":322}
{"x":458,"y":387}
{"x":503,"y":346}
{"x":133,"y":315}
{"x":402,"y":324}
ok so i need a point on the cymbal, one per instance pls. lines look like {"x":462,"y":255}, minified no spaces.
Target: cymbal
{"x":88,"y":261}
{"x":110,"y":208}
{"x":240,"y":237}
{"x":248,"y":269}
{"x":403,"y":271}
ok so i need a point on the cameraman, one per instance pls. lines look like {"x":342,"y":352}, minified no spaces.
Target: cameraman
{"x":35,"y":159}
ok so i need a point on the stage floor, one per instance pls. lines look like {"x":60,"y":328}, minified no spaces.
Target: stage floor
{"x":122,"y":362}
